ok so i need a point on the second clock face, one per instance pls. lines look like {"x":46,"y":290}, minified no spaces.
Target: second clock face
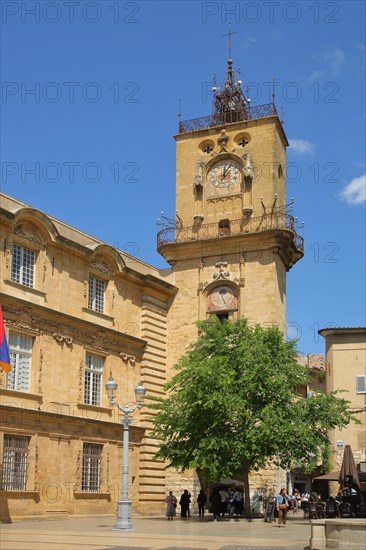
{"x":224,"y":174}
{"x":223,"y":297}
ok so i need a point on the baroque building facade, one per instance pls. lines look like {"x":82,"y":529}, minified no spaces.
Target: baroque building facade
{"x":77,"y":310}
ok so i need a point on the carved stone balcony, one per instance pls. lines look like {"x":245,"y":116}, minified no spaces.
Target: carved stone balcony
{"x":230,"y":117}
{"x":277,"y":222}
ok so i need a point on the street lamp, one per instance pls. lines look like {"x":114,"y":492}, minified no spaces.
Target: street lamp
{"x":124,"y":505}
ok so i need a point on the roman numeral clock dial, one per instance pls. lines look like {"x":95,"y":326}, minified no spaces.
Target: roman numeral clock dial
{"x":224,"y":174}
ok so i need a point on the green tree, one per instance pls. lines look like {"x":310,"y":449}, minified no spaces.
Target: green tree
{"x":233,"y":406}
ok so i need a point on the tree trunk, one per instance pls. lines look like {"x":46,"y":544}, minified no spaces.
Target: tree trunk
{"x":247,"y":508}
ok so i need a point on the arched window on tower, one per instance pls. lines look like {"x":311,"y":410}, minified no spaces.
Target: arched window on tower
{"x":224,"y":228}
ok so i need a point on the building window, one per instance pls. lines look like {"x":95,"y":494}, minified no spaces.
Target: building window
{"x":92,"y":454}
{"x":222,"y":317}
{"x":15,"y":458}
{"x":224,"y":228}
{"x":360,"y":383}
{"x":93,"y":379}
{"x":96,"y":294}
{"x":22,"y":268}
{"x":20,"y":349}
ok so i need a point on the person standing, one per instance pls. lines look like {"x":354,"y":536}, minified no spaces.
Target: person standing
{"x":201,"y":500}
{"x":282,"y":506}
{"x":215,"y":500}
{"x":184,"y":502}
{"x":171,"y":504}
{"x":237,"y":502}
{"x":224,"y":494}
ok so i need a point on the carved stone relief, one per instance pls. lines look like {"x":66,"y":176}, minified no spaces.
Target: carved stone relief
{"x":198,"y":179}
{"x":20,"y":231}
{"x":81,"y":381}
{"x":223,"y":273}
{"x":222,"y":141}
{"x":248,"y":171}
{"x":40,"y":368}
{"x":101,"y":266}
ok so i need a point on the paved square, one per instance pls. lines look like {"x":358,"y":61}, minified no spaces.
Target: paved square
{"x":155,"y":534}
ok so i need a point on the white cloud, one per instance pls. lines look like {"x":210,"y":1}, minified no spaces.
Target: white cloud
{"x":249,"y":40}
{"x":355,"y":191}
{"x":332,"y":61}
{"x":335,"y":58}
{"x":302,"y":146}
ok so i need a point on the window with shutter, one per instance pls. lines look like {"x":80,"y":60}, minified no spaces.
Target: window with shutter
{"x":20,"y":349}
{"x":22,"y":268}
{"x":96,"y":294}
{"x":93,"y":379}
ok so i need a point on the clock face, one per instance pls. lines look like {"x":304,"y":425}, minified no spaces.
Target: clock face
{"x":223,"y":297}
{"x":225,"y":174}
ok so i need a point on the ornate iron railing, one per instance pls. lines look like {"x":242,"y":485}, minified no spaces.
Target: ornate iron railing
{"x":230,"y":117}
{"x":243,"y":226}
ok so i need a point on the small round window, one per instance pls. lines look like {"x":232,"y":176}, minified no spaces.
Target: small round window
{"x":242,"y":139}
{"x":207,"y":146}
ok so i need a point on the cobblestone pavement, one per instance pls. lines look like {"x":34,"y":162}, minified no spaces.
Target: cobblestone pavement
{"x":154,"y":534}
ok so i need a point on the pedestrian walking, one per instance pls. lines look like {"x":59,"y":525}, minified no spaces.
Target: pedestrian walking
{"x":282,"y":507}
{"x":171,"y":504}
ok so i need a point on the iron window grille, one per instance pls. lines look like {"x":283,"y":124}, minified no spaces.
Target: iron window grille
{"x":22,"y":268}
{"x":15,"y":461}
{"x":92,"y":455}
{"x":96,"y":294}
{"x":93,"y":379}
{"x":20,"y":350}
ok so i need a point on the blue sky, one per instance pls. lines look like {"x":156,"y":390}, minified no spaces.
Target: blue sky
{"x":92,"y":143}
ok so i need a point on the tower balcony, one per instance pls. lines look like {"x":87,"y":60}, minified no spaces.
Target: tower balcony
{"x":228,"y":117}
{"x":278,"y":224}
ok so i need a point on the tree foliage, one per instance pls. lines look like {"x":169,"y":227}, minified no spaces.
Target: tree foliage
{"x":232,"y":406}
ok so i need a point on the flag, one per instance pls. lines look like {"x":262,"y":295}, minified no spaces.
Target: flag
{"x":5,"y":363}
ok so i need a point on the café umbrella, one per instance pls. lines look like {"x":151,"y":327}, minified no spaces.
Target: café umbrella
{"x":349,"y":473}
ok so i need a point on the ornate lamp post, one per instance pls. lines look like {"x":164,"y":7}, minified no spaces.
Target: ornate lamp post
{"x":124,"y":505}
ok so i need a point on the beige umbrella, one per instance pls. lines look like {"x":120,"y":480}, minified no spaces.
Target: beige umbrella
{"x":334,"y":476}
{"x":349,"y":469}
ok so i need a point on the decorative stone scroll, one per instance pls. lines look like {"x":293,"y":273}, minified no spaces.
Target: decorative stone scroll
{"x":128,"y":358}
{"x":62,"y":338}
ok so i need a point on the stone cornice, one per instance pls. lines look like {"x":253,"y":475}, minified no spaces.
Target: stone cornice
{"x":19,"y":416}
{"x":67,"y":329}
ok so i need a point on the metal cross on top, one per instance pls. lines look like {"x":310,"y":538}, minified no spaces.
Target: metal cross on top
{"x":229,"y":38}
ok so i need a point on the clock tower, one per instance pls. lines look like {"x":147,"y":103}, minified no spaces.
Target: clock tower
{"x":234,"y":236}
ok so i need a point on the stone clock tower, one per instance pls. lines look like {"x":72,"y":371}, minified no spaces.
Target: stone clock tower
{"x":233,"y":239}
